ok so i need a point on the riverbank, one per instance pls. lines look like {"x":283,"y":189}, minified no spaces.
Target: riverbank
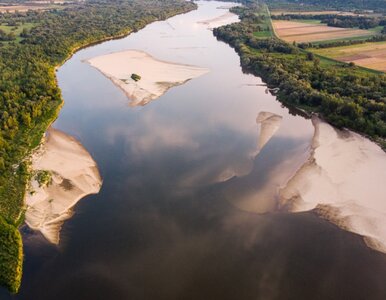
{"x":340,"y":93}
{"x":342,"y":180}
{"x":27,"y":124}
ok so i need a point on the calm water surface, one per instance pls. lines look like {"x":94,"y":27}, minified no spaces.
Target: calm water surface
{"x":166,"y":224}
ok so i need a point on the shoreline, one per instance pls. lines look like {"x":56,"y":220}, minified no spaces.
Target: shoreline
{"x":70,"y":175}
{"x":331,"y":183}
{"x":37,"y":134}
{"x":54,"y":68}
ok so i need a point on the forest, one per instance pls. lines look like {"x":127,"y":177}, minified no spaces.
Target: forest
{"x":30,"y":98}
{"x":375,"y":5}
{"x":343,"y":94}
{"x":335,"y":20}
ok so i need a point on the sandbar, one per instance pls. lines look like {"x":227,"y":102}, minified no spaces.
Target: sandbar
{"x":157,"y":76}
{"x":343,"y":181}
{"x":225,"y":19}
{"x":73,"y":175}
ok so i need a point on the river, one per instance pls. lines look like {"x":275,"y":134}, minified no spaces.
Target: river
{"x":173,"y":217}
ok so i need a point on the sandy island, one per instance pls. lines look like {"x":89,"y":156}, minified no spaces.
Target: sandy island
{"x":72,"y":174}
{"x":344,"y":182}
{"x":157,"y":76}
{"x":225,"y":19}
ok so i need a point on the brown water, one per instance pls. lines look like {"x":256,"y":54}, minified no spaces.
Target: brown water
{"x":180,"y":174}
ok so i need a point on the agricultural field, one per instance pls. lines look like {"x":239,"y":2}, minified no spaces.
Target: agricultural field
{"x":368,"y":55}
{"x":31,"y":6}
{"x":303,"y":32}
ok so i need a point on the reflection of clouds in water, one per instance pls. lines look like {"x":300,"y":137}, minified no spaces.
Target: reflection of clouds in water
{"x":269,"y":124}
{"x":241,"y":256}
{"x":152,"y":133}
{"x":221,"y":168}
{"x":257,"y":191}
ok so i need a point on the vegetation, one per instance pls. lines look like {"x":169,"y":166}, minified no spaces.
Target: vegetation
{"x":44,"y":178}
{"x":135,"y":77}
{"x":342,"y":42}
{"x":354,"y":5}
{"x":335,"y":20}
{"x":11,"y":256}
{"x":345,"y":95}
{"x":30,"y":98}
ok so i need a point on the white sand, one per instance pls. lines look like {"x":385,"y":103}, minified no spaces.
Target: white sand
{"x":225,"y":19}
{"x":157,"y":76}
{"x":344,"y":181}
{"x":74,"y":175}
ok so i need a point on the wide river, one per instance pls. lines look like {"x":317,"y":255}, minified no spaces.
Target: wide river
{"x":176,"y":216}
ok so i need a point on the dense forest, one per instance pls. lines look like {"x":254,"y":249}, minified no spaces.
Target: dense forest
{"x":32,"y":44}
{"x":376,"y":5}
{"x":343,"y":94}
{"x":335,"y":20}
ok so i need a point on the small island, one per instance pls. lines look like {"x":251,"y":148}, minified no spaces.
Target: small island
{"x":156,"y":78}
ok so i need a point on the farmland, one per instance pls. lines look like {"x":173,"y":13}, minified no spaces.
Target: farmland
{"x":302,"y":32}
{"x":369,"y":55}
{"x":23,"y":6}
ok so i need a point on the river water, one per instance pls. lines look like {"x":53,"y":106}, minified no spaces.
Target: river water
{"x":176,"y":216}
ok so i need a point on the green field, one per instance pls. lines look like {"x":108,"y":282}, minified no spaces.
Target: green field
{"x":17,"y":30}
{"x":265,"y":24}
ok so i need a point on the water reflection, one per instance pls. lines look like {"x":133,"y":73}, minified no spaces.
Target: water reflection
{"x":167,"y":223}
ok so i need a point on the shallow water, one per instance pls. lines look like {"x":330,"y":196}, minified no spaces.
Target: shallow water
{"x":180,"y":175}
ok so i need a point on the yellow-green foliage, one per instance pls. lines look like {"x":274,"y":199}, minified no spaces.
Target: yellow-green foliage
{"x":11,"y":256}
{"x":135,"y":77}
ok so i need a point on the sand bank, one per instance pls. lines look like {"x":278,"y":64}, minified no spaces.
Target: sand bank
{"x":269,"y":124}
{"x":344,"y":182}
{"x":225,"y":19}
{"x":73,"y":175}
{"x":157,"y":76}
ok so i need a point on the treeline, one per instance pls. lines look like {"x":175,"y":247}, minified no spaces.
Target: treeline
{"x":29,"y":96}
{"x":340,"y":43}
{"x":343,"y":94}
{"x":335,"y":20}
{"x":353,"y":5}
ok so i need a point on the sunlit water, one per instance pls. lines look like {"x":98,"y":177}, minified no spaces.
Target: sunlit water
{"x":181,"y":176}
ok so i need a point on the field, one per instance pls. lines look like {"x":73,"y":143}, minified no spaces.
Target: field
{"x":24,"y":8}
{"x":368,"y":55}
{"x":264,"y":24}
{"x":303,"y":32}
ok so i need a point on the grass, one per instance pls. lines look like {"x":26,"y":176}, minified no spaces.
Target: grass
{"x":354,"y":38}
{"x":18,"y":29}
{"x":335,"y":53}
{"x":266,"y":25}
{"x":329,"y":56}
